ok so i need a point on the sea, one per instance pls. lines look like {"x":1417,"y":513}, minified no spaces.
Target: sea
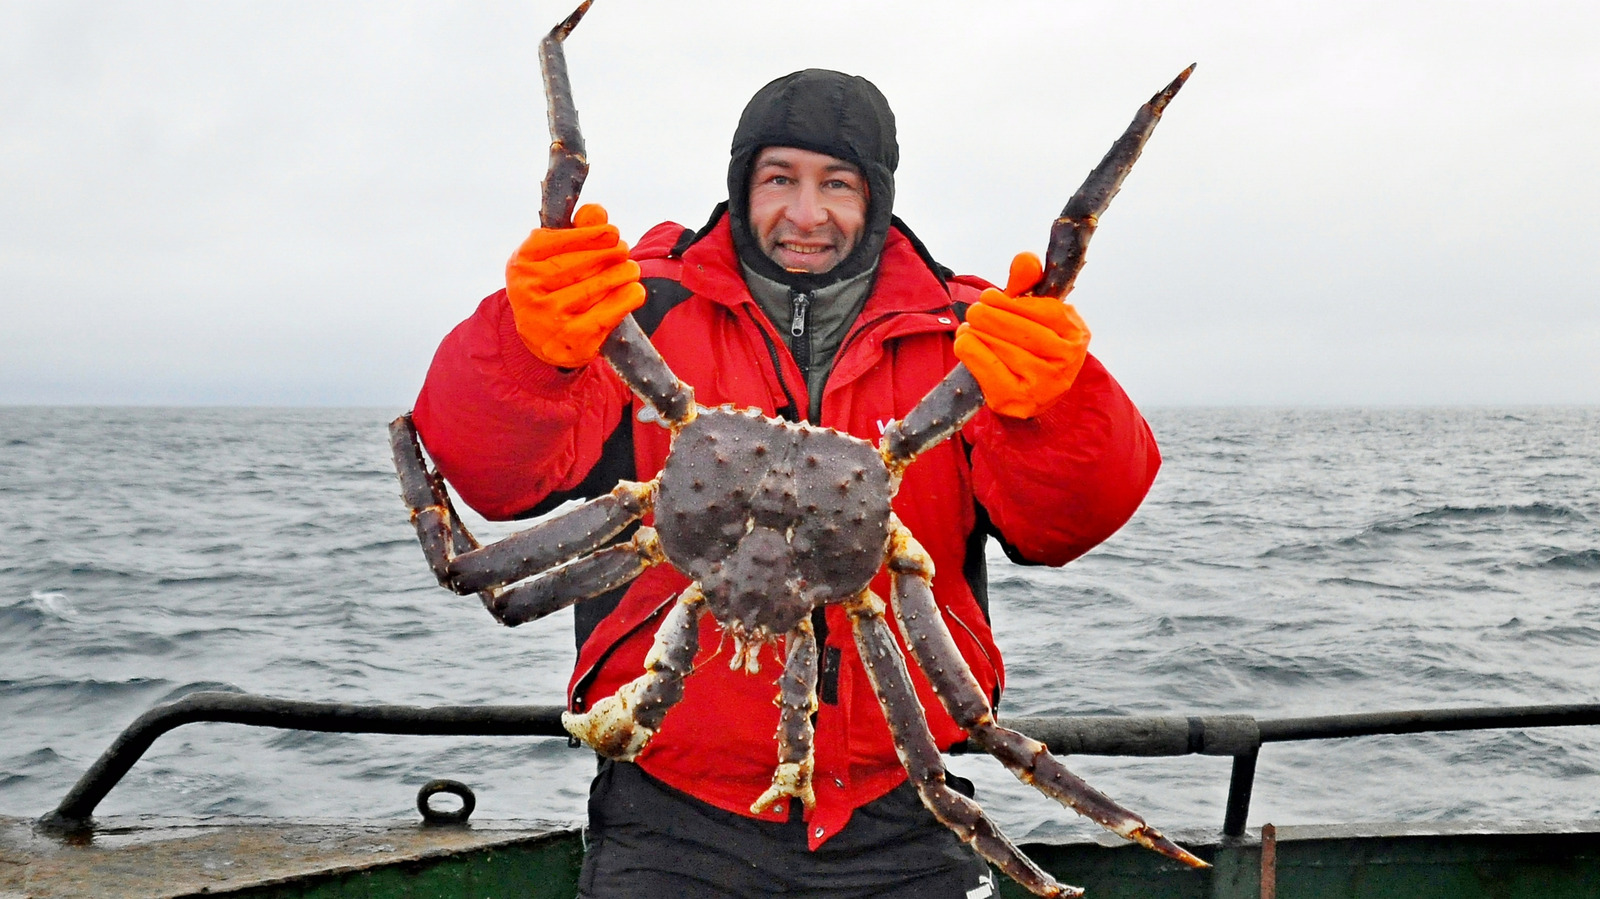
{"x":1288,"y":562}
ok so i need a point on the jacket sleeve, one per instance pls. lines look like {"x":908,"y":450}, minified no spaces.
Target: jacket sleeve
{"x":1057,"y":485}
{"x":506,"y":429}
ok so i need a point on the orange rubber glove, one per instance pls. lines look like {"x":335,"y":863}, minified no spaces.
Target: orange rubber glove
{"x":1024,"y":351}
{"x":569,"y":287}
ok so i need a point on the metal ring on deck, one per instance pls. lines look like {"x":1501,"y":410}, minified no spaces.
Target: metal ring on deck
{"x":431,"y":815}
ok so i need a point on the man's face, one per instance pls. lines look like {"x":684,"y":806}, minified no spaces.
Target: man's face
{"x":807,"y":210}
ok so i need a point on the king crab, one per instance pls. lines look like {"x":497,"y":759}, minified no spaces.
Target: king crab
{"x":772,"y":519}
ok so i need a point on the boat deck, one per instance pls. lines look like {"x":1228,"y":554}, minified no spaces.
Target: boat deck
{"x":162,"y":858}
{"x":158,"y":858}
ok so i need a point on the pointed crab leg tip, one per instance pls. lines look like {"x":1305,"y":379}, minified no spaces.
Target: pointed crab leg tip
{"x":1164,"y":96}
{"x":1161,"y":844}
{"x":561,"y":31}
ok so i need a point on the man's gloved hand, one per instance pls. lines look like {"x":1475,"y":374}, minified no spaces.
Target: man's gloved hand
{"x":1024,"y":351}
{"x":569,"y":287}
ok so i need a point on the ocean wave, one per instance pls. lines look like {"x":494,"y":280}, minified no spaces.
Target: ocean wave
{"x":371,"y":547}
{"x":1581,"y":560}
{"x":1361,"y":583}
{"x":1439,"y":526}
{"x":232,"y":577}
{"x":309,"y":740}
{"x":1559,"y":635}
{"x":53,"y":694}
{"x":51,"y":606}
{"x":182,"y":690}
{"x":1540,"y":511}
{"x":94,"y":572}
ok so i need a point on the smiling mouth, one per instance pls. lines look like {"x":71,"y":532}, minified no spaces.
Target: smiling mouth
{"x":805,"y":249}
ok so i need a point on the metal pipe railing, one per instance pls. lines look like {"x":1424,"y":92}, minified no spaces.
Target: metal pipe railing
{"x":1414,"y":721}
{"x":76,"y":810}
{"x":1239,"y":736}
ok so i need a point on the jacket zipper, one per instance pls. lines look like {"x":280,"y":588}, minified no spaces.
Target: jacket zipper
{"x":799,"y":303}
{"x":795,"y":413}
{"x":799,"y":341}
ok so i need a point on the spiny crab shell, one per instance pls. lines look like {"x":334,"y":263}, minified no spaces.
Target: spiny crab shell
{"x":772,"y":518}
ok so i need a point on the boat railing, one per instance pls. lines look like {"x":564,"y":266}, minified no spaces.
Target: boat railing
{"x":1238,"y":736}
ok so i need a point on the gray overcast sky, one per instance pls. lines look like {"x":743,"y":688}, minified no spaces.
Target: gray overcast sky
{"x":241,"y":203}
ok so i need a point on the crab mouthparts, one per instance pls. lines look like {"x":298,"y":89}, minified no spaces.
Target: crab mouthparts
{"x":747,"y":646}
{"x":756,"y":595}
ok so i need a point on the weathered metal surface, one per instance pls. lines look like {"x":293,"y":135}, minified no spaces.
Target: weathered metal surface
{"x":432,"y":814}
{"x":1269,"y":862}
{"x":1463,"y":861}
{"x":1232,"y":735}
{"x":260,"y":859}
{"x":149,"y":858}
{"x":1411,"y":721}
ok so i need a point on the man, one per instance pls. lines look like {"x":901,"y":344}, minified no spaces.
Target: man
{"x":806,"y":298}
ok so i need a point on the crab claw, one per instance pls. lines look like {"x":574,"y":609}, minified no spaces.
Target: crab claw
{"x":790,"y":779}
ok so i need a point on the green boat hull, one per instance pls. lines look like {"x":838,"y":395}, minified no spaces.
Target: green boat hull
{"x":1346,"y":861}
{"x":147,"y":859}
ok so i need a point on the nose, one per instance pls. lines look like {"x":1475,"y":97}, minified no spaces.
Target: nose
{"x":807,"y":210}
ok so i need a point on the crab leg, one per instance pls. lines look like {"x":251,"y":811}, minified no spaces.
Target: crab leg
{"x":455,"y":556}
{"x":619,"y":726}
{"x":569,"y":161}
{"x":557,"y":539}
{"x":627,"y":348}
{"x":438,"y":527}
{"x":1069,"y":236}
{"x":929,"y":639}
{"x":954,"y":400}
{"x":797,"y":697}
{"x":886,"y":669}
{"x":586,"y":578}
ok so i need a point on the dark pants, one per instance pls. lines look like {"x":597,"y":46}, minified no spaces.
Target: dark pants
{"x":647,"y":840}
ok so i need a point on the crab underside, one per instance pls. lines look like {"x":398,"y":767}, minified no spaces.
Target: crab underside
{"x":771,"y":520}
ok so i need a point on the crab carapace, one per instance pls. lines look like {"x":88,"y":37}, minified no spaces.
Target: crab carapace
{"x":771,"y":519}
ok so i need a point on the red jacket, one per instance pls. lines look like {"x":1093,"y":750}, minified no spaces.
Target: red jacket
{"x":508,"y":431}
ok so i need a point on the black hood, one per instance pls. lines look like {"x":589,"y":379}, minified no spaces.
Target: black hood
{"x":843,"y":116}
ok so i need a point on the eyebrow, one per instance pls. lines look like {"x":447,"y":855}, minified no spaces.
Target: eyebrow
{"x":782,"y":163}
